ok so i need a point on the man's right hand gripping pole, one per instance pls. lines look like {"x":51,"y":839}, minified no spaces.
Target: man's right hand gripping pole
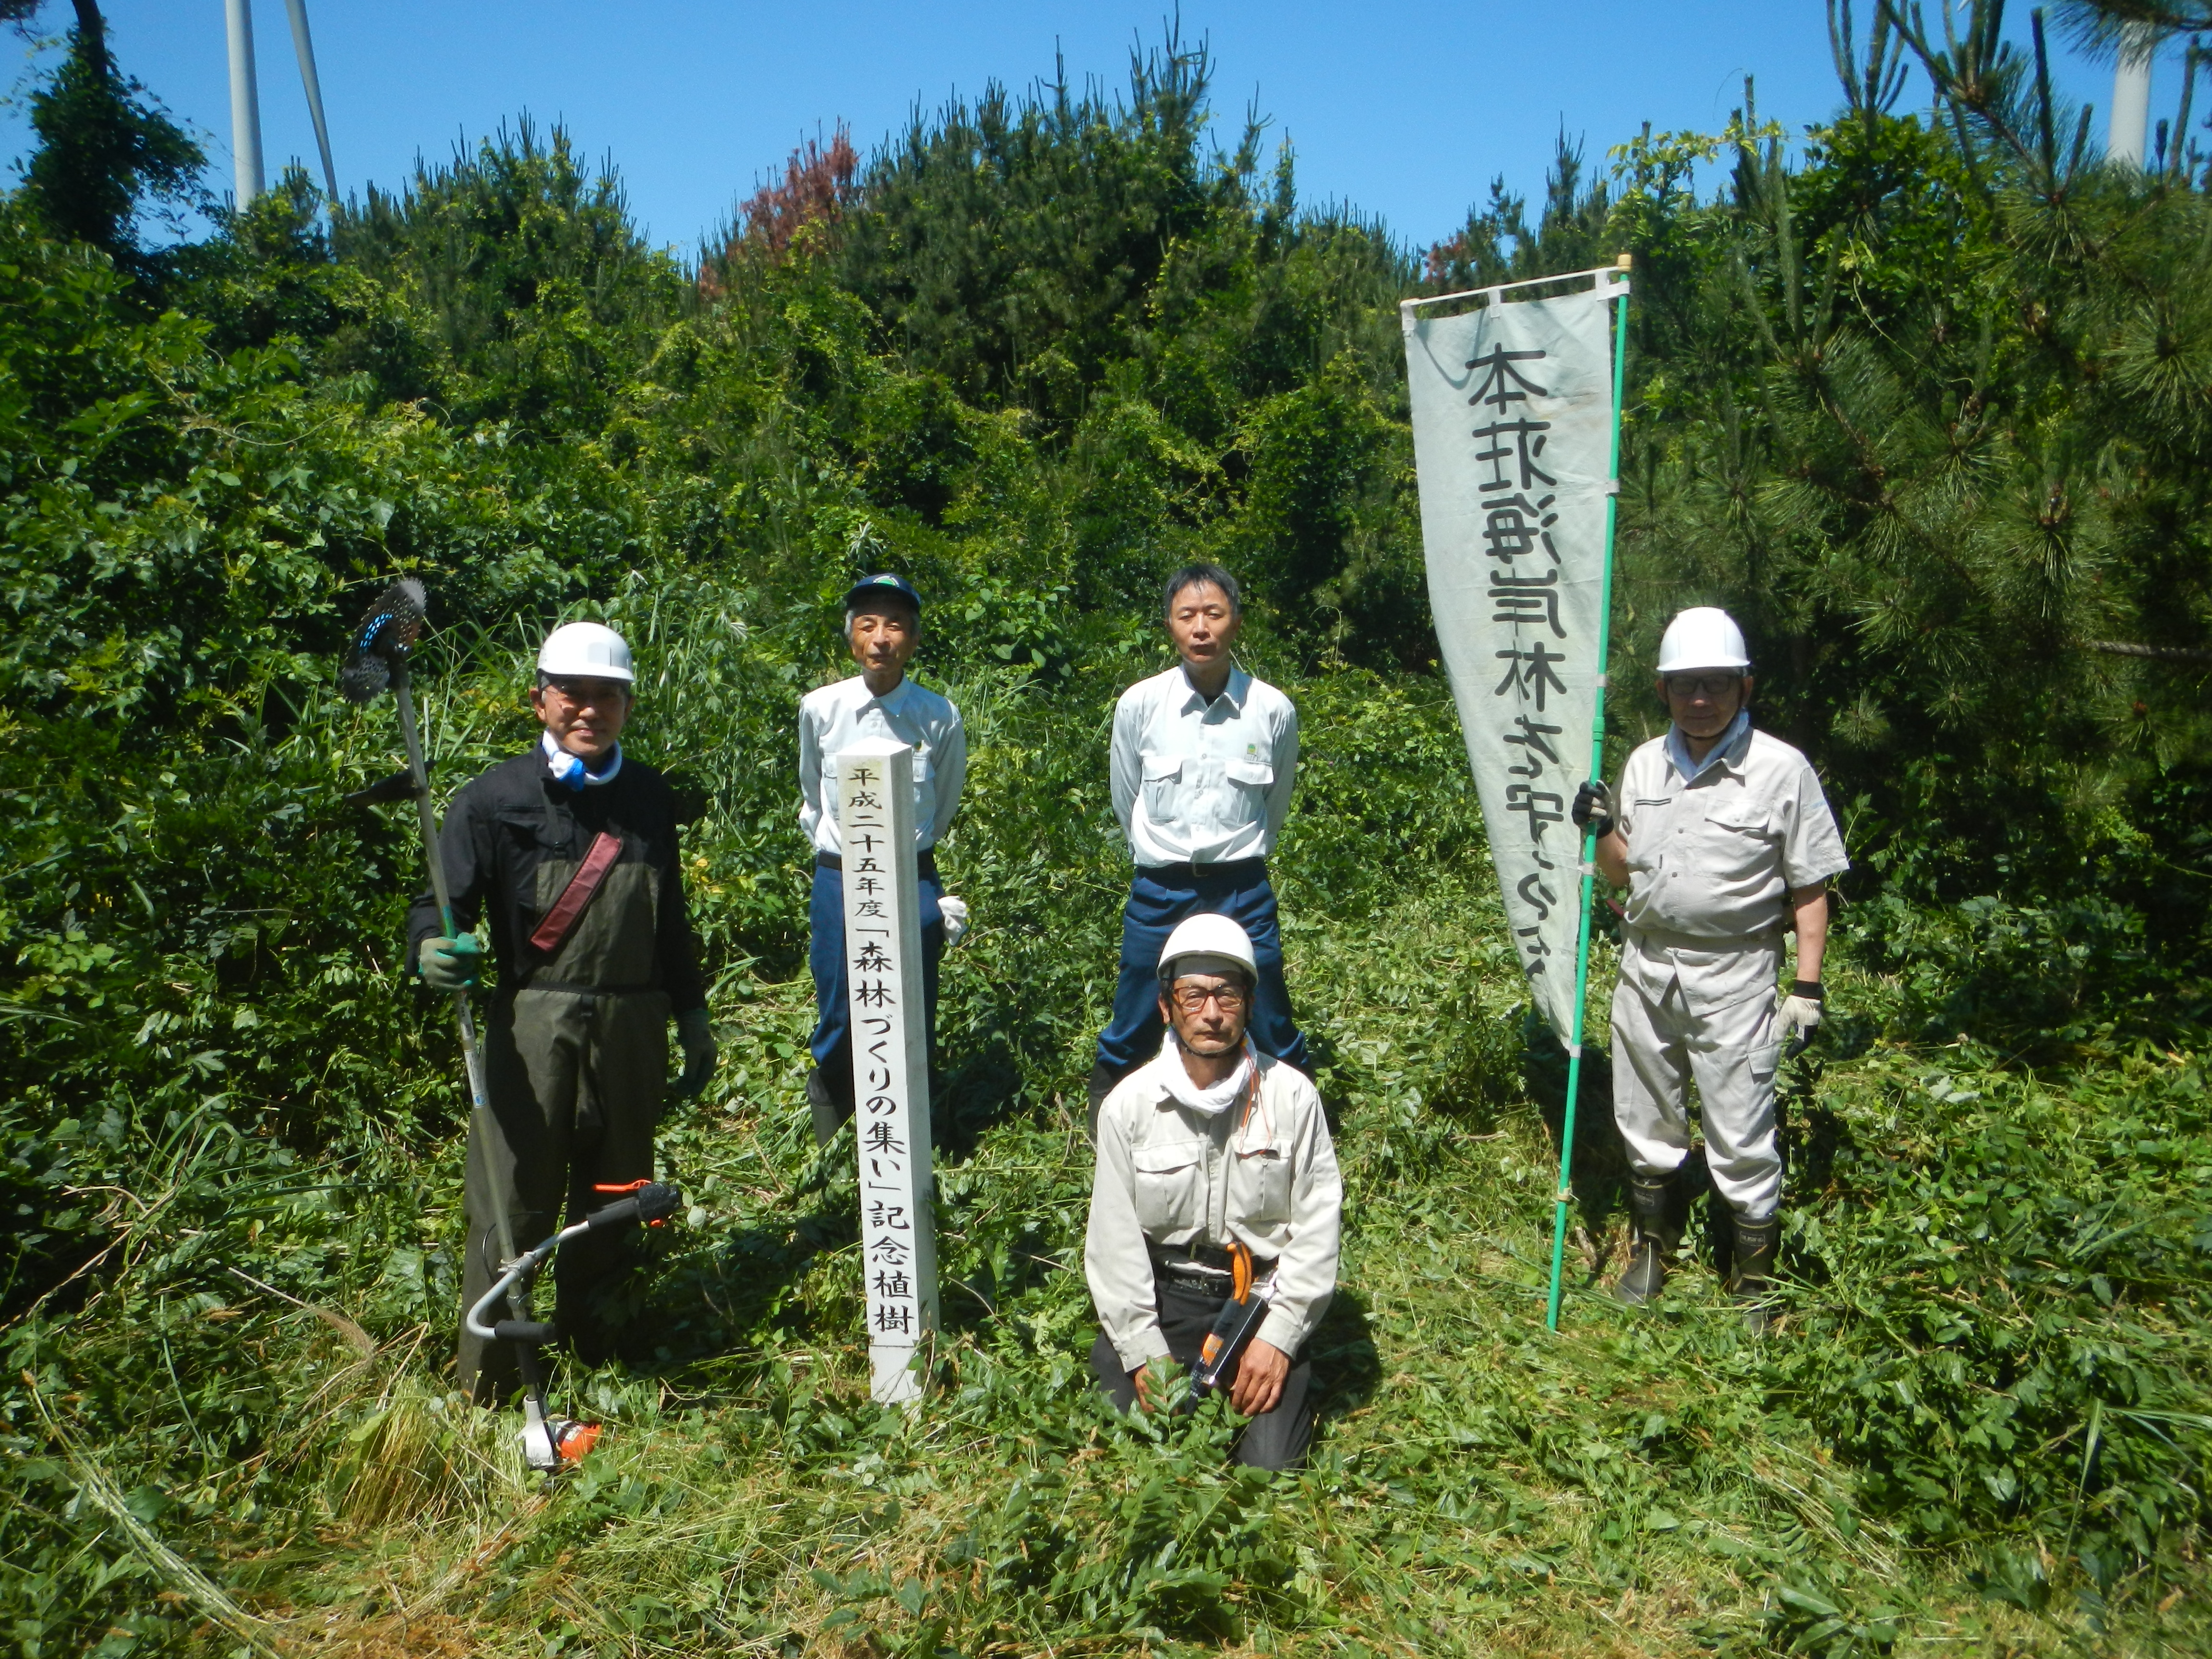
{"x":451,"y":964}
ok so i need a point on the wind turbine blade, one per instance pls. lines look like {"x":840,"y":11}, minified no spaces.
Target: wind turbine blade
{"x":304,"y":44}
{"x":245,"y":101}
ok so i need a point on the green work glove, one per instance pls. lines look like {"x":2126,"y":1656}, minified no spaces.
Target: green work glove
{"x":451,"y":964}
{"x":696,"y":1038}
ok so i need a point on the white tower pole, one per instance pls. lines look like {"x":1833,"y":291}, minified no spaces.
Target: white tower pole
{"x":2128,"y":133}
{"x":304,"y":44}
{"x":244,"y":100}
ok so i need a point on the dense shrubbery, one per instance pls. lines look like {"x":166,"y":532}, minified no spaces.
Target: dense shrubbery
{"x":1037,"y":352}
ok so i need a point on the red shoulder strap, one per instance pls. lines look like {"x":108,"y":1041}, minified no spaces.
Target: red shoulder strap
{"x":553,"y":932}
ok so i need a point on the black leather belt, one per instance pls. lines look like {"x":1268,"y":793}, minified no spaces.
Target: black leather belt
{"x":1232,"y":870}
{"x":925,"y":862}
{"x":1204,"y":1268}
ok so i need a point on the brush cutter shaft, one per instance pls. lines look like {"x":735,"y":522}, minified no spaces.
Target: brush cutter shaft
{"x":464,"y":1017}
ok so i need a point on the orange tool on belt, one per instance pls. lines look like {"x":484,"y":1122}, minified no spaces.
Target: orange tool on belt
{"x":1239,"y":1319}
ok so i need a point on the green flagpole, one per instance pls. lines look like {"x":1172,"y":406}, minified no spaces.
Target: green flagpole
{"x":1589,"y":840}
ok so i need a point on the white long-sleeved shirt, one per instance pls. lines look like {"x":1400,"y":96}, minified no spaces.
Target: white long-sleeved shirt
{"x":832,"y":718}
{"x":1171,"y":1177}
{"x":1197,"y":782}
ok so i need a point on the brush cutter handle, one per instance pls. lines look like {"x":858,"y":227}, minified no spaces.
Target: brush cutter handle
{"x":649,"y":1202}
{"x":537,"y":1333}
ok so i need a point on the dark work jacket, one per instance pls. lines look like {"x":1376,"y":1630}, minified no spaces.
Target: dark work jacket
{"x":511,"y":839}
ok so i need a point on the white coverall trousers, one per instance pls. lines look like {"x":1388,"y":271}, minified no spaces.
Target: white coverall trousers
{"x":1659,"y":1048}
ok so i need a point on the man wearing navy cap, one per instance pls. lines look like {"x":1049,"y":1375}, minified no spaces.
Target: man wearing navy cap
{"x":883,"y":626}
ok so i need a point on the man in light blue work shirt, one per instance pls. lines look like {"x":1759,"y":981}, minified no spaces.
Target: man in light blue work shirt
{"x":1204,"y":759}
{"x":883,"y":627}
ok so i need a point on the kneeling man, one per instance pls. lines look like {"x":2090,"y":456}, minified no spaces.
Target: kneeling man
{"x":1212,"y":1151}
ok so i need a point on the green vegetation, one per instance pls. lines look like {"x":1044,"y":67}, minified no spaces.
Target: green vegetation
{"x":1924,"y":405}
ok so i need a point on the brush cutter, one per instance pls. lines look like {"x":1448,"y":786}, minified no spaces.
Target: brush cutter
{"x":549,"y":1442}
{"x":375,"y":661}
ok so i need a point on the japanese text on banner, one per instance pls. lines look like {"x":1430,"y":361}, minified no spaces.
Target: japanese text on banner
{"x":1513,"y":419}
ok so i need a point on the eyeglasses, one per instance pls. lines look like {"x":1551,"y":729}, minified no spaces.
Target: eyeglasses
{"x":581,"y":692}
{"x":1701,"y":685}
{"x":1192,"y":999}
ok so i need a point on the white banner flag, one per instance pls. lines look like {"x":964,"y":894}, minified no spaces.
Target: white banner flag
{"x":1513,"y":421}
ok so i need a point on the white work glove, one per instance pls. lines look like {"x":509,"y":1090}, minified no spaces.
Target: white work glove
{"x":954,"y":911}
{"x":1800,"y":1011}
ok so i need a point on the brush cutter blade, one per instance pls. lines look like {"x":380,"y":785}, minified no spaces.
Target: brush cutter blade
{"x":382,"y":640}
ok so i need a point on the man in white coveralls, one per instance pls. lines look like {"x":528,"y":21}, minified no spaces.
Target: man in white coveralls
{"x":1724,"y":840}
{"x":1215,"y":1170}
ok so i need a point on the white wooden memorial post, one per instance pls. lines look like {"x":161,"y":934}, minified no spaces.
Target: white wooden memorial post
{"x":890,"y":1059}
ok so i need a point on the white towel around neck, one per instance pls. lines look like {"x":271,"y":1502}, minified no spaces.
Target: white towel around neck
{"x":1213,"y":1100}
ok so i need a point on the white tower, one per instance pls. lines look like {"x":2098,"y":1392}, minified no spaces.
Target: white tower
{"x":244,"y":100}
{"x":2126,"y":138}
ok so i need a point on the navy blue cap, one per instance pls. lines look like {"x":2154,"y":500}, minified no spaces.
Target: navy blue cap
{"x":874,"y":587}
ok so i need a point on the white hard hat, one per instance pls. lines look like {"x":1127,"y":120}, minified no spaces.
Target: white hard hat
{"x":1213,"y":937}
{"x":585,"y":651}
{"x":1704,"y":637}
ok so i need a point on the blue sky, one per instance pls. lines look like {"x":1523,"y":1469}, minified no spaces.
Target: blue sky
{"x":1401,"y":111}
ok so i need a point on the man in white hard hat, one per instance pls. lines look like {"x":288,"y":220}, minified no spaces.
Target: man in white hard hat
{"x":569,"y":853}
{"x":1725,"y":842}
{"x":1214,"y":1169}
{"x":883,"y":629}
{"x":1204,"y":761}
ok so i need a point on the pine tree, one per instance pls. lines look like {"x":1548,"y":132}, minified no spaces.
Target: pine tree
{"x":103,"y":147}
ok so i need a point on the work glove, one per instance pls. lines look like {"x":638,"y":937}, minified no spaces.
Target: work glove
{"x":696,"y":1036}
{"x":1800,"y":1011}
{"x":954,"y":911}
{"x":450,"y":964}
{"x":1592,"y":809}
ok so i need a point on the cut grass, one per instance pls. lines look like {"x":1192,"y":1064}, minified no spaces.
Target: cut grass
{"x":1632,"y":1485}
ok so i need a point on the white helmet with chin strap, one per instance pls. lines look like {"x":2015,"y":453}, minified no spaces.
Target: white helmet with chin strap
{"x":1208,"y":944}
{"x":1704,"y":637}
{"x":587,"y":651}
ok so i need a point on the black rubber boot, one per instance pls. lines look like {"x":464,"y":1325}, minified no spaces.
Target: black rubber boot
{"x":832,"y":1107}
{"x":1657,"y":1222}
{"x":1104,"y":1079}
{"x":1754,"y":1269}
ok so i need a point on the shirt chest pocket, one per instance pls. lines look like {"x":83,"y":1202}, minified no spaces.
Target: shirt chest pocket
{"x":1737,"y":838}
{"x":535,"y":832}
{"x":1645,"y":827}
{"x":1259,"y":1189}
{"x":1255,"y":776}
{"x":1163,"y":781}
{"x":1170,"y":1185}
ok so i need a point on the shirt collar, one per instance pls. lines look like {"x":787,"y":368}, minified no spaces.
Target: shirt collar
{"x":1728,"y":751}
{"x":1240,"y":684}
{"x":890,"y":699}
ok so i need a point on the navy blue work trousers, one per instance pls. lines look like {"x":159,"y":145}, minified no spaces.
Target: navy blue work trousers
{"x":832,"y":1044}
{"x":1159,"y":899}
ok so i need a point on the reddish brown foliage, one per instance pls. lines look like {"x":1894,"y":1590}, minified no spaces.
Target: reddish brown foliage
{"x":819,"y":181}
